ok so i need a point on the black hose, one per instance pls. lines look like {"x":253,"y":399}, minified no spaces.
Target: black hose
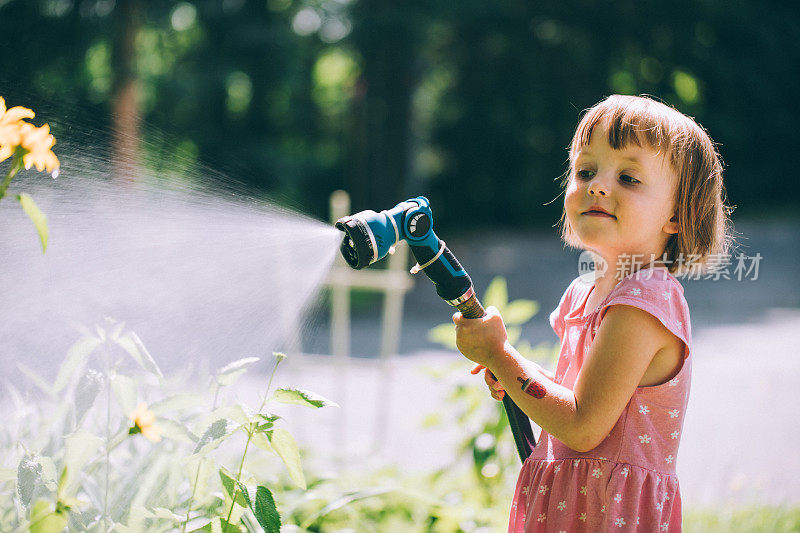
{"x":518,"y":420}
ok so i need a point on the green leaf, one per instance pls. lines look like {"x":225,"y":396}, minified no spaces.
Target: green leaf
{"x":245,"y":493}
{"x":263,"y":427}
{"x":302,"y":397}
{"x":520,"y":311}
{"x":166,"y":514}
{"x":29,"y":476}
{"x":118,"y":327}
{"x":131,"y":343}
{"x":124,"y":389}
{"x":260,"y":440}
{"x":89,"y":386}
{"x":49,"y":472}
{"x":266,"y":512}
{"x":228,"y":374}
{"x":231,"y":412}
{"x":79,"y":448}
{"x":76,"y":358}
{"x":62,"y":484}
{"x":513,"y":333}
{"x":232,"y":526}
{"x":286,"y":447}
{"x":170,"y":429}
{"x":45,"y":520}
{"x":496,"y":294}
{"x":233,"y":488}
{"x":177,"y":402}
{"x":432,"y":420}
{"x":37,"y":216}
{"x":345,"y":500}
{"x":444,"y":334}
{"x":217,"y":525}
{"x":228,"y":482}
{"x":215,"y":432}
{"x":72,"y":503}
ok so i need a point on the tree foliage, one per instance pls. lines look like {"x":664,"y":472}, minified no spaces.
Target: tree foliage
{"x":472,"y":103}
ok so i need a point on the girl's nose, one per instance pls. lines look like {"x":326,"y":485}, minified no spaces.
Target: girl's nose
{"x":597,"y":188}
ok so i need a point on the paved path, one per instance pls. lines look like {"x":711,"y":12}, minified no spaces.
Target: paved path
{"x":742,"y":431}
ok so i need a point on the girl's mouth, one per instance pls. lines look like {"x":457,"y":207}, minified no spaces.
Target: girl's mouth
{"x":595,"y":213}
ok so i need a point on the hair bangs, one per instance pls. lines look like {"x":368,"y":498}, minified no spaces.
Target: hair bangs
{"x":627,"y":120}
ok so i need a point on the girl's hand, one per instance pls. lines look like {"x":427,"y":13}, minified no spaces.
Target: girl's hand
{"x":481,"y":340}
{"x":495,"y":387}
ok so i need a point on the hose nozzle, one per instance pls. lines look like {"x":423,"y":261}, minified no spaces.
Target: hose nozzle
{"x":369,"y":236}
{"x":357,"y":246}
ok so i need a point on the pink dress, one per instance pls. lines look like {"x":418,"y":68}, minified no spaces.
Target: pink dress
{"x":628,"y":482}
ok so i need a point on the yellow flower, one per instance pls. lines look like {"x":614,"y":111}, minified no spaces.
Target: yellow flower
{"x":144,"y":423}
{"x":38,"y":142}
{"x":10,"y":123}
{"x":6,"y":151}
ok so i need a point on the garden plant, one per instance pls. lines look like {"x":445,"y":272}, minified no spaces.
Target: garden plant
{"x":94,"y":457}
{"x":27,"y":146}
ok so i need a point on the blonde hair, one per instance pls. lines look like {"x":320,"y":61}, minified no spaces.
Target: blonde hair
{"x":705,"y":234}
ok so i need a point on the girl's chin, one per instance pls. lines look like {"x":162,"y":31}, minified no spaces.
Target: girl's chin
{"x":596,"y":242}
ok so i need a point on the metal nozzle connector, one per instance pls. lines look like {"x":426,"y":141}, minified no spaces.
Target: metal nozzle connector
{"x":472,"y":308}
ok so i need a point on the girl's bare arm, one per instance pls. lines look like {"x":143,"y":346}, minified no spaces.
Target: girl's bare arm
{"x":626,"y":342}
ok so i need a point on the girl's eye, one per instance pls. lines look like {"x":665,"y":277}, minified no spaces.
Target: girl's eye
{"x":584,"y":174}
{"x":628,"y":179}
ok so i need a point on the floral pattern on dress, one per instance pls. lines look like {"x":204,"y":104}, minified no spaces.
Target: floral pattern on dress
{"x":628,"y":482}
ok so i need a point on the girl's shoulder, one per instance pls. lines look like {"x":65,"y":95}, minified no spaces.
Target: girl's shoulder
{"x":655,"y":287}
{"x":655,"y":291}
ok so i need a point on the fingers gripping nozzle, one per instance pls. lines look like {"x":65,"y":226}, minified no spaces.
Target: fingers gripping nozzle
{"x":369,"y":236}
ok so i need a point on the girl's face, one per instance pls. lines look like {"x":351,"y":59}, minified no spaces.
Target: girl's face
{"x":621,"y":201}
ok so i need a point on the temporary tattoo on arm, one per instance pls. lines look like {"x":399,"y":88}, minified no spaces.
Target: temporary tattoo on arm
{"x":534,"y":388}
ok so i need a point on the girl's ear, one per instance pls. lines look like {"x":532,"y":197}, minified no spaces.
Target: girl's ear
{"x":672,"y":225}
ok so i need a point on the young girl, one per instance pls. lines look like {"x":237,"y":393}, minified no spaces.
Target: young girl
{"x":644,"y":195}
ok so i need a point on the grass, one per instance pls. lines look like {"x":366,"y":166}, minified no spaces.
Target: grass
{"x":767,"y":519}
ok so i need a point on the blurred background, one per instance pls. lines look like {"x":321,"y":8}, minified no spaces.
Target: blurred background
{"x":473,"y":105}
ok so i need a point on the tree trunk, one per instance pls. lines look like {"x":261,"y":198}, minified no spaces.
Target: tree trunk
{"x":125,"y":104}
{"x":388,"y":43}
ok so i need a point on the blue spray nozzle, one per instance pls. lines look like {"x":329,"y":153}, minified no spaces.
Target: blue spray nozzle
{"x":370,"y":236}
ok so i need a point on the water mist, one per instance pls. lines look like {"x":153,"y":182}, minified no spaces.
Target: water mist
{"x":198,"y":273}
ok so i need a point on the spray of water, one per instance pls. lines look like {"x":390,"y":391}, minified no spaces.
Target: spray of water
{"x":198,"y":272}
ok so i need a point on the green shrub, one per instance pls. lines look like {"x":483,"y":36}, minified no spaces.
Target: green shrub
{"x":79,"y":459}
